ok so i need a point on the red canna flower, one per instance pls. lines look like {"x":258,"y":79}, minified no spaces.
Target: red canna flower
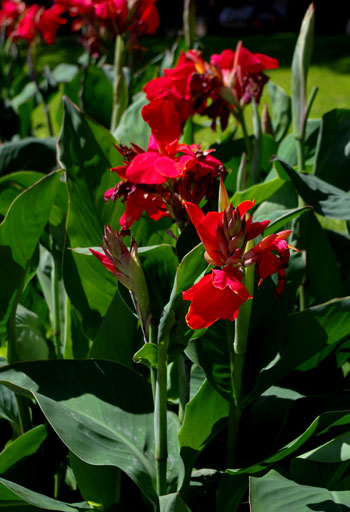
{"x":10,"y":12}
{"x":225,"y":236}
{"x":37,"y":22}
{"x":217,"y":295}
{"x":159,"y":180}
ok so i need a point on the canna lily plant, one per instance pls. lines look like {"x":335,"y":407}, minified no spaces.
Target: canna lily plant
{"x":164,"y":345}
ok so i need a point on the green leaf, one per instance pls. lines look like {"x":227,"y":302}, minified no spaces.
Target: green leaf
{"x":96,"y":483}
{"x":132,"y":127}
{"x":117,"y":338}
{"x":281,"y":110}
{"x":202,"y":422}
{"x":336,"y":450}
{"x":172,"y":503}
{"x":191,"y":266}
{"x":25,"y":445}
{"x":332,"y":156}
{"x":326,"y":199}
{"x":147,"y":355}
{"x":300,"y":68}
{"x":274,"y":493}
{"x":9,"y":408}
{"x":324,"y":279}
{"x":102,"y":411}
{"x":14,"y":496}
{"x":28,"y":154}
{"x":260,"y":192}
{"x":159,"y":264}
{"x":287,"y":150}
{"x":64,"y":72}
{"x":38,"y":199}
{"x":322,"y":425}
{"x":97,"y":95}
{"x":323,"y":325}
{"x":86,"y":151}
{"x":210,"y":351}
{"x":30,"y":341}
{"x":280,"y":218}
{"x":11,"y":185}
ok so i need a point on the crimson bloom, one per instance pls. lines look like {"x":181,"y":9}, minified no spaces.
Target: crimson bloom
{"x":160,"y":179}
{"x":100,"y":21}
{"x":225,"y":235}
{"x":213,"y":89}
{"x":37,"y":22}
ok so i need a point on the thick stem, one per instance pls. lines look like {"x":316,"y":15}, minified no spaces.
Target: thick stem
{"x":118,"y":83}
{"x":237,"y":356}
{"x":247,"y":141}
{"x":160,"y":419}
{"x":189,"y":22}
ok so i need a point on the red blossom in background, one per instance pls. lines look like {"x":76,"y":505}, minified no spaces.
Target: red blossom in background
{"x":100,"y":21}
{"x":159,"y":180}
{"x":225,"y":235}
{"x":10,"y":12}
{"x":35,"y":22}
{"x":212,"y":89}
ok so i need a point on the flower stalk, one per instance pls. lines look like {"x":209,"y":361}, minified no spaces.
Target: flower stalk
{"x":160,"y":419}
{"x":120,"y":92}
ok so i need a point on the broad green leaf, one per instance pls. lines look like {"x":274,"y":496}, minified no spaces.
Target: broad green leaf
{"x":336,"y":450}
{"x":323,"y":325}
{"x":202,"y":422}
{"x":86,"y":151}
{"x":97,"y":95}
{"x":287,"y":149}
{"x":159,"y":264}
{"x":332,"y":157}
{"x":64,"y":72}
{"x":132,"y":128}
{"x":15,"y":497}
{"x":211,"y":352}
{"x":25,"y":445}
{"x":323,"y":424}
{"x":191,"y":266}
{"x":280,"y":218}
{"x":30,"y":341}
{"x":326,"y":199}
{"x":13,"y":184}
{"x":28,"y":154}
{"x":172,"y":503}
{"x":281,"y":110}
{"x":38,"y":199}
{"x":9,"y":408}
{"x":97,"y":484}
{"x":300,"y":68}
{"x":274,"y":492}
{"x":260,"y":192}
{"x":147,"y":355}
{"x":324,"y":279}
{"x":11,"y":277}
{"x":102,"y":411}
{"x":118,"y":337}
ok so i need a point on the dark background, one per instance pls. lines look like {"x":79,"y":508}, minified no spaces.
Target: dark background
{"x":221,"y":17}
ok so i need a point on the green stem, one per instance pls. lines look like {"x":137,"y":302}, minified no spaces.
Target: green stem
{"x":189,"y":22}
{"x":160,"y":419}
{"x":183,"y":385}
{"x":237,"y":356}
{"x":56,"y":312}
{"x":118,"y":83}
{"x":247,"y":141}
{"x":301,"y":203}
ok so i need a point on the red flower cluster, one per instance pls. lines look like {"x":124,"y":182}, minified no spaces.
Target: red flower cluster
{"x":220,"y":293}
{"x":159,"y":180}
{"x":31,"y":23}
{"x":102,"y":20}
{"x":213,"y":89}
